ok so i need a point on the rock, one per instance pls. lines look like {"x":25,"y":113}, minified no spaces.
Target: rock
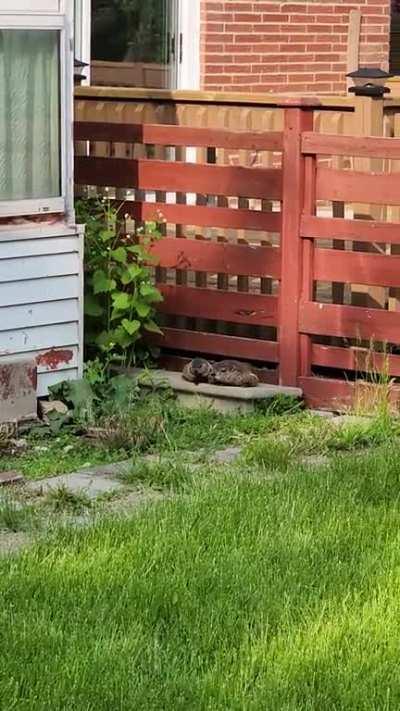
{"x":56,"y":406}
{"x":11,"y":477}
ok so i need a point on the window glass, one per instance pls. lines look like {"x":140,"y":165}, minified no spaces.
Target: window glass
{"x":131,"y":42}
{"x":29,"y":114}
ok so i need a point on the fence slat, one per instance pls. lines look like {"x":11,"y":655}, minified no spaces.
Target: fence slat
{"x":217,"y":344}
{"x":171,"y":135}
{"x":215,"y":257}
{"x":352,"y":186}
{"x":205,"y":216}
{"x":366,"y":146}
{"x":182,"y":177}
{"x":360,"y":267}
{"x":357,"y":359}
{"x":219,"y":305}
{"x":350,"y":322}
{"x":351,"y":230}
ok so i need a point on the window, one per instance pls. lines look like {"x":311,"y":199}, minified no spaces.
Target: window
{"x":36,"y":109}
{"x":30,"y":147}
{"x":134,"y":43}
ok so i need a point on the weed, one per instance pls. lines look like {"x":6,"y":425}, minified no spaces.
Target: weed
{"x":369,"y":433}
{"x":63,"y":499}
{"x":15,"y":516}
{"x":161,"y":474}
{"x":280,"y":405}
{"x":268,"y":453}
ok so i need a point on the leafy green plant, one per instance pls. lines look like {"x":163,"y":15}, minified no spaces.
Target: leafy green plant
{"x":120,"y":296}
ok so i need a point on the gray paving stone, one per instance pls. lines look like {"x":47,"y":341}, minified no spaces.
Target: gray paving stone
{"x":220,"y":397}
{"x":77,"y":483}
{"x":227,"y":456}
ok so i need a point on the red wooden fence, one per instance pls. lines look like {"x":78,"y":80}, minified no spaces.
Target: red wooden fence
{"x":244,"y":248}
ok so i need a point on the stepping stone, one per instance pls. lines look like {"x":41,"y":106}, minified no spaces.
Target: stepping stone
{"x":227,"y":456}
{"x":77,"y":483}
{"x":10,"y":478}
{"x":219,"y":397}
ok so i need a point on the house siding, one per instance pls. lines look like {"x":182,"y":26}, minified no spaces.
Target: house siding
{"x":41,"y":301}
{"x":296,"y":47}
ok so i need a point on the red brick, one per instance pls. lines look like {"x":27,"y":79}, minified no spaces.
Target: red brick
{"x":281,"y":47}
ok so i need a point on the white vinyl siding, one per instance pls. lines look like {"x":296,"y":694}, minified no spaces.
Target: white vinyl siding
{"x":41,"y":302}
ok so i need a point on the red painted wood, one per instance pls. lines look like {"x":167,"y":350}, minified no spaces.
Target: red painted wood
{"x":171,"y":135}
{"x":231,"y":306}
{"x":296,"y":121}
{"x":335,"y":395}
{"x":308,"y":260}
{"x":179,"y":177}
{"x":223,"y":217}
{"x":352,"y":230}
{"x":368,"y":147}
{"x":327,"y":394}
{"x":216,"y":344}
{"x":356,"y":268}
{"x":350,"y":322}
{"x":218,"y":257}
{"x":350,"y":186}
{"x":357,"y":359}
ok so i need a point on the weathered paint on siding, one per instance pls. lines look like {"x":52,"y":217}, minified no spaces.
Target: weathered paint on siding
{"x":41,"y":280}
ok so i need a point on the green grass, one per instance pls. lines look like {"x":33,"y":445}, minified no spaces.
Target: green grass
{"x":163,"y":474}
{"x":156,"y":425}
{"x":62,"y":499}
{"x":16,"y":516}
{"x":245,"y":593}
{"x":57,"y":455}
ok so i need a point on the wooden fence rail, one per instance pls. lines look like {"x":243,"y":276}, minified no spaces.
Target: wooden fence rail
{"x":246,"y":248}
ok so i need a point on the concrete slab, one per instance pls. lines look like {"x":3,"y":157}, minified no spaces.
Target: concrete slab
{"x":9,"y":478}
{"x":221,"y":397}
{"x":77,"y":483}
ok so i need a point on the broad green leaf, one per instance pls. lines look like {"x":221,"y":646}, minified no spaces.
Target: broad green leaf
{"x":102,"y":283}
{"x":152,"y":327}
{"x":122,"y":337}
{"x":106,"y":235}
{"x":131,"y":273}
{"x":121,"y":301}
{"x":119,"y":255}
{"x":142,"y":309}
{"x":138,"y":250}
{"x":131,"y":327}
{"x":150,"y":292}
{"x":92,"y":306}
{"x":103,"y":339}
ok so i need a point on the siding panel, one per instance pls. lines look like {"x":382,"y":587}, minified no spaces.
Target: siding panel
{"x":41,"y":304}
{"x":37,"y":267}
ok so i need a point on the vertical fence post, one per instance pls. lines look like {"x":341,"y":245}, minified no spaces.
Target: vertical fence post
{"x":298,"y":118}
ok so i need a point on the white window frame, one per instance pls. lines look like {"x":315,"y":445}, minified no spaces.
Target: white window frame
{"x":188,"y":71}
{"x":63,"y":23}
{"x":83,"y":11}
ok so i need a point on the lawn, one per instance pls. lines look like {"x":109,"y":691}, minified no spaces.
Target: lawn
{"x":261,"y":585}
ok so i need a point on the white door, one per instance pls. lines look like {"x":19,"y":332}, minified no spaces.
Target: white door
{"x":146,"y":43}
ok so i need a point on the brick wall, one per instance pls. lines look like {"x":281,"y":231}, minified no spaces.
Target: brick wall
{"x":287,"y":47}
